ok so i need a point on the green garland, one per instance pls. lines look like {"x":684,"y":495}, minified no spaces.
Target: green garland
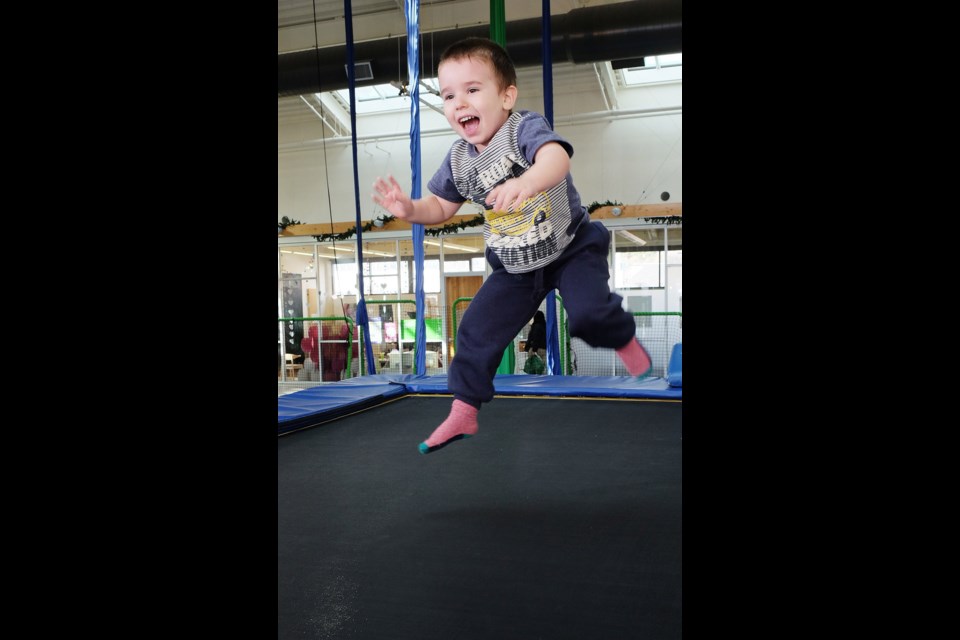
{"x":286,"y":222}
{"x":454,"y":227}
{"x":596,"y":205}
{"x":349,"y":233}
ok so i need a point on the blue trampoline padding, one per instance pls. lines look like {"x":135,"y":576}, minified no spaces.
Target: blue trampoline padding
{"x":330,"y":401}
{"x":579,"y":386}
{"x":675,"y":368}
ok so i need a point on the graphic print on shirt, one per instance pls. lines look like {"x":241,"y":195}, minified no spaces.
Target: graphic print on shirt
{"x":525,"y":239}
{"x":499,"y":171}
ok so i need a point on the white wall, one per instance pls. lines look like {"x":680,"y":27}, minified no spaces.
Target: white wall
{"x":630,"y":160}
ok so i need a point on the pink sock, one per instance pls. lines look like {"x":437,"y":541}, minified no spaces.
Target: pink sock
{"x":635,"y":358}
{"x":461,"y":423}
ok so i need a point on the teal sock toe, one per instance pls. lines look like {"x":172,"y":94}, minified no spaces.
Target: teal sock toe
{"x":425,"y":449}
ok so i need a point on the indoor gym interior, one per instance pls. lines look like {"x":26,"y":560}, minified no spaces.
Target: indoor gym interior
{"x":560,"y":519}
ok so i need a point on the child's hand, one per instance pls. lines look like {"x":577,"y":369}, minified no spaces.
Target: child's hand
{"x":392,"y":198}
{"x":550,"y":166}
{"x":510,"y":195}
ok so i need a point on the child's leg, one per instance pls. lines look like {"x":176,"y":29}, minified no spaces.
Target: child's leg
{"x":595,"y":313}
{"x":635,"y":358}
{"x":502,"y":306}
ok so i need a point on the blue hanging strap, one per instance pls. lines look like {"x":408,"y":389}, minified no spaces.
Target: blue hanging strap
{"x":412,"y":10}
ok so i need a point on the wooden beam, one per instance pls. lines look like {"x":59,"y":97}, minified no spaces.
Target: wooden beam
{"x":638,"y":211}
{"x":627,"y":211}
{"x":342,"y":227}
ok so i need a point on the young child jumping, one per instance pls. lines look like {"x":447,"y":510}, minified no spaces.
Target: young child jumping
{"x":539,"y":236}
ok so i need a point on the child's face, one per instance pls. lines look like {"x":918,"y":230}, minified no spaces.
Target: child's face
{"x":473,"y":102}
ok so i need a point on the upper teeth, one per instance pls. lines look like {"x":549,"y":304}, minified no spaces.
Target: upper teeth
{"x":465,"y":118}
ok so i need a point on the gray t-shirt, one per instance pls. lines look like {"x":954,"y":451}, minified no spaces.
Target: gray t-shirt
{"x":538,"y":233}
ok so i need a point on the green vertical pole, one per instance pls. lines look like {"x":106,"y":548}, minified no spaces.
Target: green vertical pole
{"x":508,"y":363}
{"x":498,"y":33}
{"x":498,"y":23}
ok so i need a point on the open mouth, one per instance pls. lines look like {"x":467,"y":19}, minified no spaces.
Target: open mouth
{"x":470,"y":124}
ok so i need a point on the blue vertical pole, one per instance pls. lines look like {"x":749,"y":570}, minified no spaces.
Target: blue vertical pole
{"x":554,"y":366}
{"x":546,"y":53}
{"x":412,"y":10}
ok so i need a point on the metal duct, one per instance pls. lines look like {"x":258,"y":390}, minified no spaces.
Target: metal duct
{"x":590,"y":34}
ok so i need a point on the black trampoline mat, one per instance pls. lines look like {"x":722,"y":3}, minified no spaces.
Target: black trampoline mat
{"x":561,"y":518}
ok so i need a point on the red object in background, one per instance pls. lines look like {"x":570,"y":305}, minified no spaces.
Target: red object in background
{"x":332,"y":355}
{"x":311,"y":345}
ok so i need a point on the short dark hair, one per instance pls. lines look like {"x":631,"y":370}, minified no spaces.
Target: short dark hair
{"x":488,"y":50}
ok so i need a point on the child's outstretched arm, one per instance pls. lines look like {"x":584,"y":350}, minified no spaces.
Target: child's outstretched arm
{"x":551,"y":164}
{"x":427,"y":210}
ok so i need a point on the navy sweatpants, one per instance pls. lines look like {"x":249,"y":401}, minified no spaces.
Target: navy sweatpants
{"x":507,"y":301}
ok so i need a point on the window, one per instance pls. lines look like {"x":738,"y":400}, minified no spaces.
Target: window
{"x":390,"y":96}
{"x":431,"y":275}
{"x":454,"y":266}
{"x":639,"y":269}
{"x":665,"y":68}
{"x":380,"y":277}
{"x":461,"y":254}
{"x":641,"y":303}
{"x":345,"y":279}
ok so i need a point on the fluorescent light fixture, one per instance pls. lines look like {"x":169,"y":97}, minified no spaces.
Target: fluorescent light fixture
{"x":370,"y":252}
{"x":632,"y":238}
{"x":297,"y":253}
{"x":458,"y":247}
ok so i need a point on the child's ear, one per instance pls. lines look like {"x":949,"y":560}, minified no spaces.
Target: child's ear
{"x":509,"y":97}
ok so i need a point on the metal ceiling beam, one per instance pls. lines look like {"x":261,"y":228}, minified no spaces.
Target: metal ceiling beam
{"x":608,"y":85}
{"x":617,"y":31}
